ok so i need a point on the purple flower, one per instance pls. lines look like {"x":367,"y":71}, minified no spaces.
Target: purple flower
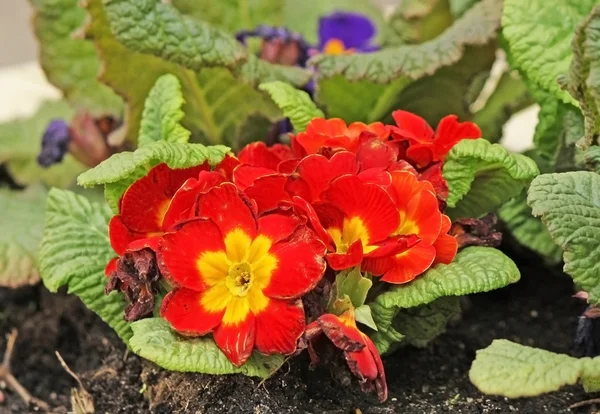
{"x":55,"y":143}
{"x":345,"y":32}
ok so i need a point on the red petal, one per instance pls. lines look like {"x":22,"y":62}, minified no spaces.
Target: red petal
{"x":375,"y":153}
{"x":279,"y":327}
{"x":376,"y":176}
{"x":184,"y":311}
{"x":362,"y":364}
{"x":433,"y":174}
{"x":449,"y":132}
{"x":393,"y":245}
{"x":422,"y":217}
{"x":228,"y":208}
{"x":446,"y":245}
{"x":300,"y":265}
{"x":181,"y":206}
{"x":421,"y":154}
{"x":257,"y":154}
{"x":411,"y":126}
{"x":278,"y":226}
{"x":305,"y":209}
{"x":145,"y":202}
{"x":120,"y":236}
{"x":331,"y":127}
{"x":226,"y":167}
{"x":342,"y":261}
{"x":342,"y":332}
{"x":268,"y":192}
{"x":237,"y":340}
{"x":111,"y":267}
{"x":244,"y":175}
{"x":179,"y":252}
{"x":369,"y":202}
{"x":145,"y":243}
{"x":410,"y":264}
{"x":405,"y":186}
{"x":315,"y":172}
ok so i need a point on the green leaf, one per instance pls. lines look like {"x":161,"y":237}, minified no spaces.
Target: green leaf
{"x":22,"y":225}
{"x":368,"y":87}
{"x":70,"y":62}
{"x":351,"y":283}
{"x":529,"y":230}
{"x":74,"y":252}
{"x":303,"y":17}
{"x":154,"y":340}
{"x":475,"y":269}
{"x":416,"y":21}
{"x":550,"y":122}
{"x":477,"y":27}
{"x":21,"y":141}
{"x":541,"y":47}
{"x":459,"y":7}
{"x":483,"y":176}
{"x":296,"y":105}
{"x":510,"y":96}
{"x":162,"y":113}
{"x":583,"y":79}
{"x":122,"y":169}
{"x":218,"y":104}
{"x":234,"y":15}
{"x":422,"y":324}
{"x":363,"y":315}
{"x":569,"y":205}
{"x":514,"y":370}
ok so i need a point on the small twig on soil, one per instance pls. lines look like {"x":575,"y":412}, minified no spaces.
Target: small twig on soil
{"x":584,"y":403}
{"x":81,"y":400}
{"x":11,"y":381}
{"x":66,"y":368}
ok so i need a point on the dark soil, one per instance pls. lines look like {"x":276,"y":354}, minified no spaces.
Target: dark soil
{"x":537,"y":311}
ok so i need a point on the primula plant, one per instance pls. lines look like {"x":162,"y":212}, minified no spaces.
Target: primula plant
{"x":290,"y":178}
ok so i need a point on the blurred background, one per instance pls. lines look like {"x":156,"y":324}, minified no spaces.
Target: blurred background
{"x":24,"y":86}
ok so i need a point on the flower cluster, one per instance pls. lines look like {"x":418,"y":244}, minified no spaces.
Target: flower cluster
{"x":243,"y":243}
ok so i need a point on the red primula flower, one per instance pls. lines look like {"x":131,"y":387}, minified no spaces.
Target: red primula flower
{"x":356,"y":220}
{"x":240,"y":276}
{"x":327,"y":136}
{"x":150,"y":205}
{"x":419,"y":215}
{"x":425,"y":145}
{"x":257,"y":160}
{"x":361,"y":354}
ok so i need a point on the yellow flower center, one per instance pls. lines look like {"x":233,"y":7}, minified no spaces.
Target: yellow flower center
{"x":353,"y":229}
{"x":237,"y":276}
{"x":407,"y":226}
{"x":336,"y":47}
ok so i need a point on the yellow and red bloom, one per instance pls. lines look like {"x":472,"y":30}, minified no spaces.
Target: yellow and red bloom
{"x":361,"y":354}
{"x":240,"y":276}
{"x":426,"y":146}
{"x":418,"y":215}
{"x":356,"y":220}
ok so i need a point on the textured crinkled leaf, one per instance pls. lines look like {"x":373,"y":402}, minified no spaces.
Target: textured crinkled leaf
{"x":22,"y":224}
{"x":71,"y":63}
{"x":122,"y":169}
{"x":190,"y":42}
{"x":583,"y":79}
{"x":154,"y":340}
{"x":162,"y":113}
{"x":217,"y":104}
{"x":303,"y":16}
{"x":482,"y":176}
{"x":422,"y":324}
{"x":234,"y":15}
{"x":75,"y":250}
{"x":475,"y":269}
{"x":529,"y":230}
{"x":510,"y":96}
{"x":21,"y":142}
{"x":513,"y":370}
{"x":550,"y":122}
{"x":416,"y":21}
{"x":476,"y":27}
{"x":569,"y":205}
{"x":295,"y":104}
{"x":541,"y":47}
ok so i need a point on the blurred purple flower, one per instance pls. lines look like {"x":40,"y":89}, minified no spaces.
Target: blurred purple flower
{"x":55,"y":143}
{"x":345,"y":32}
